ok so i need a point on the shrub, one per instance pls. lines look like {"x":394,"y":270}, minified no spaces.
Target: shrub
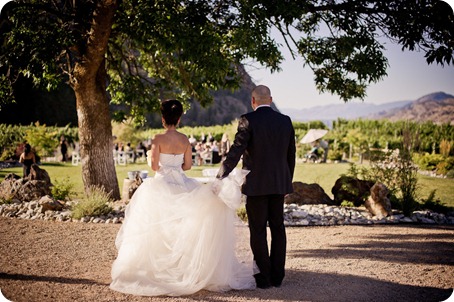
{"x":62,"y":190}
{"x":95,"y":203}
{"x":347,"y":203}
{"x":241,"y":212}
{"x":450,"y":174}
{"x":44,"y":140}
{"x":7,"y":200}
{"x":397,"y":172}
{"x":335,"y":155}
{"x":445,"y":147}
{"x":10,"y":138}
{"x":428,"y":161}
{"x":434,"y":204}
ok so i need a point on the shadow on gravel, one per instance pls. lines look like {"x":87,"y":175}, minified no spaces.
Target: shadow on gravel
{"x":34,"y":278}
{"x":428,"y":248}
{"x":313,"y":286}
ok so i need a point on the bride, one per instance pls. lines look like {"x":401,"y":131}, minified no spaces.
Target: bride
{"x":178,"y":237}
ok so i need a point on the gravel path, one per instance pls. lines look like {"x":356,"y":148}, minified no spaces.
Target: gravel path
{"x":68,"y":261}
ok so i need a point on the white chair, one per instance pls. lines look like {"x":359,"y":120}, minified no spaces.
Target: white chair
{"x":140,"y":156}
{"x":208,"y":159}
{"x":115,"y":157}
{"x":75,"y":158}
{"x":129,"y":157}
{"x":121,"y":158}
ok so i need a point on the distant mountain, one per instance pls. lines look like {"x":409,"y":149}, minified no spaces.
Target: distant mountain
{"x":348,"y":110}
{"x":226,"y":107}
{"x":437,"y":107}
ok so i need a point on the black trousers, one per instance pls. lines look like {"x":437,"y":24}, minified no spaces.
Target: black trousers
{"x":263,"y":210}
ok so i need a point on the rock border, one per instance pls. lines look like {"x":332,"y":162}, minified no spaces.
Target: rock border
{"x":294,"y":215}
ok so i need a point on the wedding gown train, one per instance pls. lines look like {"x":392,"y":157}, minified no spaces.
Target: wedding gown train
{"x":178,"y":237}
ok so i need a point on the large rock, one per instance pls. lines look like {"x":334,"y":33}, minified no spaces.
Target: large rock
{"x":351,"y":189}
{"x":307,"y":194}
{"x":32,"y":190}
{"x":47,"y":203}
{"x":33,"y":187}
{"x":10,"y":185}
{"x":36,"y":173}
{"x":378,"y":202}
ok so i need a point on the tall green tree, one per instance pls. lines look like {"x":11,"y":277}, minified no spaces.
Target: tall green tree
{"x":137,"y":52}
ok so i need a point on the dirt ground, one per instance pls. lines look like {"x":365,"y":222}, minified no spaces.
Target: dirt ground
{"x":67,"y":261}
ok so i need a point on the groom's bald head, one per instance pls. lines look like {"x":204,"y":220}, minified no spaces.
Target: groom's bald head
{"x":261,"y":95}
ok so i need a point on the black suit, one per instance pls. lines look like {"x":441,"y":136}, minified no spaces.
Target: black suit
{"x":266,"y":140}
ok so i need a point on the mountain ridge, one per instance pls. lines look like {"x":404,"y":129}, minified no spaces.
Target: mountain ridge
{"x":437,"y":107}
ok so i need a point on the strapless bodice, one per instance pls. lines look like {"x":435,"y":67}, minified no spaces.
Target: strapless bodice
{"x":171,"y":171}
{"x":171,"y":160}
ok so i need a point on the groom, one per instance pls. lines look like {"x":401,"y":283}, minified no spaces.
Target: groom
{"x":266,"y":140}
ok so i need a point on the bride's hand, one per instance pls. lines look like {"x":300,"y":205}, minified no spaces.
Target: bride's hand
{"x":216,"y":186}
{"x":149,"y":158}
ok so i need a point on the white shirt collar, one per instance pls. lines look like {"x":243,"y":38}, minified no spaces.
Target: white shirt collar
{"x":262,"y":106}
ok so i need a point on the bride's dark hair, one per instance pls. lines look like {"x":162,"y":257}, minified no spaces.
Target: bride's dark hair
{"x":171,"y":111}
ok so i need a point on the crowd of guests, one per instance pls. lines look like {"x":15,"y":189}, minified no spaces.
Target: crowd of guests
{"x":208,"y":150}
{"x":139,"y":151}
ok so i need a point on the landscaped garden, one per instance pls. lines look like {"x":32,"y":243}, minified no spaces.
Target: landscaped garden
{"x":354,"y":146}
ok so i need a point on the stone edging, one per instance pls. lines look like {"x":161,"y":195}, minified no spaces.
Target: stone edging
{"x":294,"y":215}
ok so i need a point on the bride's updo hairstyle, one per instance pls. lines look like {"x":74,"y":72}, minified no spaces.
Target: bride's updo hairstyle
{"x":171,"y":112}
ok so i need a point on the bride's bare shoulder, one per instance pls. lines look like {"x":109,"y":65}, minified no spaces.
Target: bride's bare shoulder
{"x":183,"y":136}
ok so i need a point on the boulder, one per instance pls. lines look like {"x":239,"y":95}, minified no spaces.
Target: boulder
{"x":378,"y":203}
{"x":351,"y":189}
{"x":32,"y":190}
{"x":307,"y":194}
{"x":33,"y":187}
{"x":10,"y":185}
{"x":49,"y":204}
{"x":36,"y":173}
{"x":12,"y":176}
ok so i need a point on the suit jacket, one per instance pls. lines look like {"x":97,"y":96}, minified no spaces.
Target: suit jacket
{"x":266,"y":140}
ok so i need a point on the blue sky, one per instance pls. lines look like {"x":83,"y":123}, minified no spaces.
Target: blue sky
{"x":409,"y":77}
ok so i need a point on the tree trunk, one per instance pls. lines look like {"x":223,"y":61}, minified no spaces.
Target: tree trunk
{"x":89,"y":83}
{"x":96,"y":144}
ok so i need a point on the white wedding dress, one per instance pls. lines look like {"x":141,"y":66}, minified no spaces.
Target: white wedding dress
{"x":178,"y":237}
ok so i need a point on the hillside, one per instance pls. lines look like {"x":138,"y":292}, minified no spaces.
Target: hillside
{"x":227,"y":106}
{"x":350,"y":110}
{"x":437,"y":107}
{"x":59,"y":108}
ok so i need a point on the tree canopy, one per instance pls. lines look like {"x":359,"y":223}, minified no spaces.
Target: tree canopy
{"x":137,"y":52}
{"x":185,"y":49}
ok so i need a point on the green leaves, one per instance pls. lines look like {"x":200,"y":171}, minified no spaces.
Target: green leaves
{"x":187,"y":49}
{"x":344,"y":65}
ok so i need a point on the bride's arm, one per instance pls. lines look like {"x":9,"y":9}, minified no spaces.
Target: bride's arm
{"x":187,"y":163}
{"x":155,"y":155}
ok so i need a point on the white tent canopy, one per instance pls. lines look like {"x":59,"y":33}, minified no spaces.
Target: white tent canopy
{"x":312,"y":135}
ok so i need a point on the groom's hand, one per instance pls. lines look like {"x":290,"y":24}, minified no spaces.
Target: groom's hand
{"x":216,"y":186}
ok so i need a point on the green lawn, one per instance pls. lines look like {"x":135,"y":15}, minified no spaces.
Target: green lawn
{"x":323,"y":174}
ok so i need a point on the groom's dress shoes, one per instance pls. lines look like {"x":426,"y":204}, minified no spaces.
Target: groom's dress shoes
{"x":261,"y":281}
{"x":263,"y":285}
